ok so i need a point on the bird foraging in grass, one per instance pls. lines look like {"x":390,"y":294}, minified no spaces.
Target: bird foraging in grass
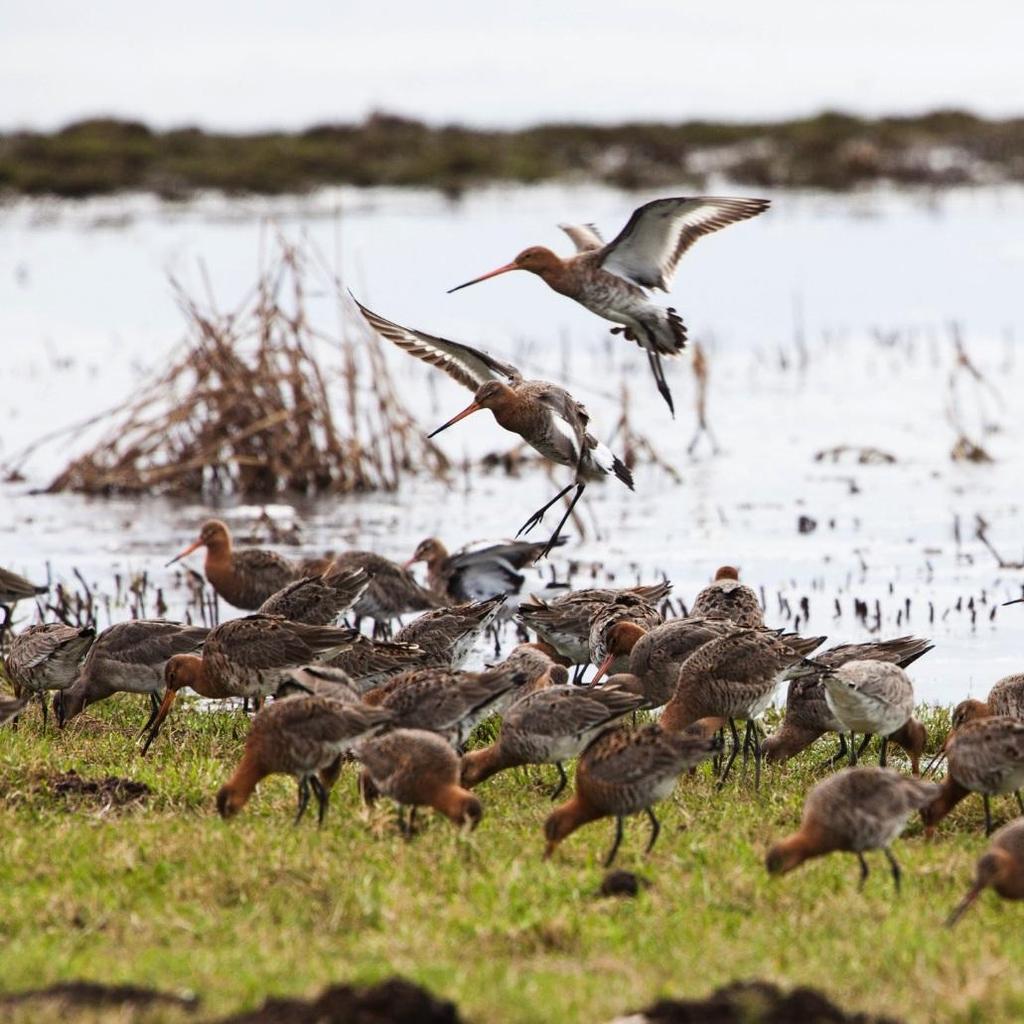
{"x":854,"y":811}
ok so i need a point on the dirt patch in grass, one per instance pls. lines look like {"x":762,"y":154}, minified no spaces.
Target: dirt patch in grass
{"x":755,"y":1002}
{"x":395,"y":1001}
{"x":90,"y":995}
{"x":110,"y":791}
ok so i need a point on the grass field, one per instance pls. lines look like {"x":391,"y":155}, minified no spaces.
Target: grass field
{"x":166,"y":895}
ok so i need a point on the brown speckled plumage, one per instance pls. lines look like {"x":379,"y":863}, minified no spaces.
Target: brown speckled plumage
{"x":318,"y":600}
{"x":47,"y":656}
{"x":301,"y":736}
{"x":564,"y":622}
{"x":448,"y":634}
{"x":855,"y":810}
{"x":622,"y":772}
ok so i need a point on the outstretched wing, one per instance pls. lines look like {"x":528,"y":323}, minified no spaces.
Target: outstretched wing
{"x":584,"y":236}
{"x":648,"y":249}
{"x":469,"y":366}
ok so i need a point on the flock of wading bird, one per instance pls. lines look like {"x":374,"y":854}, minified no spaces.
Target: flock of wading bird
{"x":403,"y":708}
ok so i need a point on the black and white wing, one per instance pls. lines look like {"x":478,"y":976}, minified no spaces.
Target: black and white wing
{"x":648,"y":249}
{"x":585,"y":237}
{"x":469,"y":366}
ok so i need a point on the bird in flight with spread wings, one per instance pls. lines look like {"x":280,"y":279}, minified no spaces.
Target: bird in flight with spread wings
{"x":544,"y":415}
{"x":614,"y":279}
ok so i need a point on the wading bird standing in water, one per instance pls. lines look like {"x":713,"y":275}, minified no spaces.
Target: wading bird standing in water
{"x":613,"y":280}
{"x":544,"y":415}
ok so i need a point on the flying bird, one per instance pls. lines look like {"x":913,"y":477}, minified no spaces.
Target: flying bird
{"x":614,"y":280}
{"x":544,"y":415}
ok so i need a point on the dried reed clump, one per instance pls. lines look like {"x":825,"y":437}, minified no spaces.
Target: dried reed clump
{"x":246,"y":410}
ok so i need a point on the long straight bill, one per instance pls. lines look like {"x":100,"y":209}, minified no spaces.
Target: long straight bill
{"x":468,"y":411}
{"x":483,"y":277}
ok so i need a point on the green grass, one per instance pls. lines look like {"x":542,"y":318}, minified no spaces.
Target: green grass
{"x":829,"y":150}
{"x":167,"y":895}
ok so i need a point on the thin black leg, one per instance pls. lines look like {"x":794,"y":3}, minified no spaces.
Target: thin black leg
{"x":580,"y":488}
{"x":615,"y":845}
{"x":303,"y":798}
{"x":863,"y":746}
{"x":732,"y":754}
{"x":863,"y":872}
{"x":655,"y":830}
{"x":894,"y":867}
{"x":883,"y":751}
{"x":563,"y":780}
{"x":42,"y":704}
{"x":988,"y":814}
{"x":577,"y":675}
{"x":659,"y":378}
{"x":756,"y":737}
{"x":539,"y":514}
{"x":853,"y":749}
{"x":322,"y":797}
{"x":746,"y":747}
{"x":154,"y":710}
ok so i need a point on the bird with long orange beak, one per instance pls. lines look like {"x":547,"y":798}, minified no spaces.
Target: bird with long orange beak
{"x":247,"y":658}
{"x":244,"y":578}
{"x":1001,"y":867}
{"x":613,"y":280}
{"x":544,"y":415}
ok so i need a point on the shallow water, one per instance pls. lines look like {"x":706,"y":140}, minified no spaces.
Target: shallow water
{"x":826,"y":321}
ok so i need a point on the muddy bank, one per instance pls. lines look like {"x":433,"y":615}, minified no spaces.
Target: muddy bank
{"x":753,"y":1002}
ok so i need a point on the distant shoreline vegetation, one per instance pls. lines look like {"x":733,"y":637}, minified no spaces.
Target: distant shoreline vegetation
{"x":830,"y":151}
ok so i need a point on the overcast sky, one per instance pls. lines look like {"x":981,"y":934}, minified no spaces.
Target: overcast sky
{"x":232,"y":64}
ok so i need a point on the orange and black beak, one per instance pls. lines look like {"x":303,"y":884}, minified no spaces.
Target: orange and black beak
{"x":468,"y":411}
{"x":964,"y":905}
{"x":494,"y":273}
{"x":188,"y":551}
{"x":603,"y":668}
{"x":165,"y":708}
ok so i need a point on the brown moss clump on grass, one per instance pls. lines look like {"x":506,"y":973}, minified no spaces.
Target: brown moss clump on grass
{"x":246,"y":410}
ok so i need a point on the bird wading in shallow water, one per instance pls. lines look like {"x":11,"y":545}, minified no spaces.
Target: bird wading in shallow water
{"x":544,"y":415}
{"x":613,"y":280}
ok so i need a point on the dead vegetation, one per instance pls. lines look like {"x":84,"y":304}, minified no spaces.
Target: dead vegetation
{"x":966,"y":384}
{"x":247,"y":409}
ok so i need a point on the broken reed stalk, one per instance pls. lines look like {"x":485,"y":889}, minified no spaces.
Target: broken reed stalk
{"x":700,"y":401}
{"x":246,"y":409}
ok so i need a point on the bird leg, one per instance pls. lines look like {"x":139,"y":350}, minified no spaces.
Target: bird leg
{"x":988,"y":814}
{"x":322,"y":797}
{"x":655,"y":830}
{"x":863,"y":872}
{"x":882,"y":752}
{"x":303,"y":798}
{"x":539,"y":514}
{"x":553,"y":540}
{"x":659,"y":378}
{"x":615,"y":845}
{"x":578,"y":673}
{"x":154,"y":710}
{"x":42,"y":704}
{"x":853,"y":749}
{"x":831,"y":762}
{"x":732,"y":755}
{"x":894,"y":866}
{"x":563,"y":780}
{"x":755,"y":735}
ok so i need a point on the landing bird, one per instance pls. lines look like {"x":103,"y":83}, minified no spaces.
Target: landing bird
{"x":613,"y":280}
{"x":856,"y":810}
{"x":1001,"y":867}
{"x":476,"y":571}
{"x":544,"y":415}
